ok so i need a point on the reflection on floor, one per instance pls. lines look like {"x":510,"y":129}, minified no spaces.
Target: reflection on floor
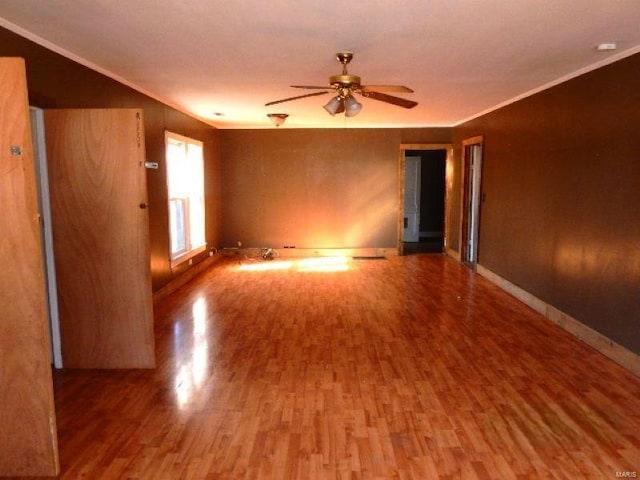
{"x":425,"y":245}
{"x":408,"y":368}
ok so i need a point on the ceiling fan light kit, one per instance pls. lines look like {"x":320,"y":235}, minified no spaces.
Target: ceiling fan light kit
{"x":277,"y":118}
{"x":345,"y":86}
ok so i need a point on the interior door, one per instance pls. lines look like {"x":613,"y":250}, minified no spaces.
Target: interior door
{"x":100,"y":225}
{"x":28,"y":444}
{"x":474,"y":207}
{"x":472,"y":160}
{"x":412,"y":199}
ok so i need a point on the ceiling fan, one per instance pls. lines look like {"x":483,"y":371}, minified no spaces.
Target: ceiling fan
{"x":345,"y":85}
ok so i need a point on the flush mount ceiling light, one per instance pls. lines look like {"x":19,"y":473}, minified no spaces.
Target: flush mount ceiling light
{"x":277,"y":118}
{"x":345,"y":85}
{"x":605,"y":47}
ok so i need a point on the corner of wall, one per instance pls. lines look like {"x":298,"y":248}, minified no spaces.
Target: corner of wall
{"x":594,"y":339}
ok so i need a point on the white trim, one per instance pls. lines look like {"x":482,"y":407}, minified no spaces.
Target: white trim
{"x":169,"y":135}
{"x":182,"y":258}
{"x":619,"y":354}
{"x":191,"y":250}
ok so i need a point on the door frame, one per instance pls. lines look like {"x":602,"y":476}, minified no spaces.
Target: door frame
{"x":470,"y":183}
{"x":448,"y":147}
{"x":42,"y":172}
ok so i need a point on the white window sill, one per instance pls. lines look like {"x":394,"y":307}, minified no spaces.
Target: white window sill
{"x":185,"y":257}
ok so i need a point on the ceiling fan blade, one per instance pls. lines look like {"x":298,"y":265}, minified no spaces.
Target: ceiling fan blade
{"x":311,"y":87}
{"x":387,"y":88}
{"x":295,"y":98}
{"x":383,"y":97}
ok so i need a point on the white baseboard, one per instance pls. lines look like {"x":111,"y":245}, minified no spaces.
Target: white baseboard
{"x":606,"y":346}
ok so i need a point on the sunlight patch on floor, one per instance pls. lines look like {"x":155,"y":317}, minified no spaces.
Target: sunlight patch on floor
{"x":316,"y":264}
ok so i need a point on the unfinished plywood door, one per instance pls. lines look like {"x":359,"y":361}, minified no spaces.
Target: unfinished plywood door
{"x":100,"y":227}
{"x":28,"y":445}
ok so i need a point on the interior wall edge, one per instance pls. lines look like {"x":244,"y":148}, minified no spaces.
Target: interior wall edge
{"x":178,"y":281}
{"x":616,"y":352}
{"x":561,"y":184}
{"x":455,"y":254}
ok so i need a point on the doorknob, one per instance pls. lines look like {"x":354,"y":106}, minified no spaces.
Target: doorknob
{"x":144,"y":205}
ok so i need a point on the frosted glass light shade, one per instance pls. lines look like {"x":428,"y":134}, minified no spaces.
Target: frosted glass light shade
{"x":333,"y":105}
{"x":352,"y":107}
{"x":277,"y":118}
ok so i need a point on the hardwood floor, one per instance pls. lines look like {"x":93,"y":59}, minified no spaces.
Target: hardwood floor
{"x":410,"y":367}
{"x":425,"y":245}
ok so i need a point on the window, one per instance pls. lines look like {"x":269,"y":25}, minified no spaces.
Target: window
{"x":185,"y":181}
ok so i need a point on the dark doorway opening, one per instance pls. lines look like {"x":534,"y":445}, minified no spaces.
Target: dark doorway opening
{"x":432,"y":202}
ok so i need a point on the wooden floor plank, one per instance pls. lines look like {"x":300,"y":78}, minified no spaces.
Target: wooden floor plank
{"x":410,"y":367}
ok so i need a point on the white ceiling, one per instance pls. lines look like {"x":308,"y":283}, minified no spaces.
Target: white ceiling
{"x":462,"y":57}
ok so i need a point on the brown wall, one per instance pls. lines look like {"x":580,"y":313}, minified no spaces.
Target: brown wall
{"x":314,"y":188}
{"x":57,"y":82}
{"x":561,"y":175}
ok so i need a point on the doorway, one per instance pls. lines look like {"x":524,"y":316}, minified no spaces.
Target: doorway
{"x":422,"y":222}
{"x":472,"y":196}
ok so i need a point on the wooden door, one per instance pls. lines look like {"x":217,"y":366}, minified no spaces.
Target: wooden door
{"x":28,"y":444}
{"x":101,"y":237}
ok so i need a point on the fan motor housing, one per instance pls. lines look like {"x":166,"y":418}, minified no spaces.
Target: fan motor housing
{"x":344,"y":81}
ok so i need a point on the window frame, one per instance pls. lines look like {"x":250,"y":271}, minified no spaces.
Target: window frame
{"x":190,"y":251}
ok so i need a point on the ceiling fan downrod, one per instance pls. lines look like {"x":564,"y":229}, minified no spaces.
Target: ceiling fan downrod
{"x":344,"y":81}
